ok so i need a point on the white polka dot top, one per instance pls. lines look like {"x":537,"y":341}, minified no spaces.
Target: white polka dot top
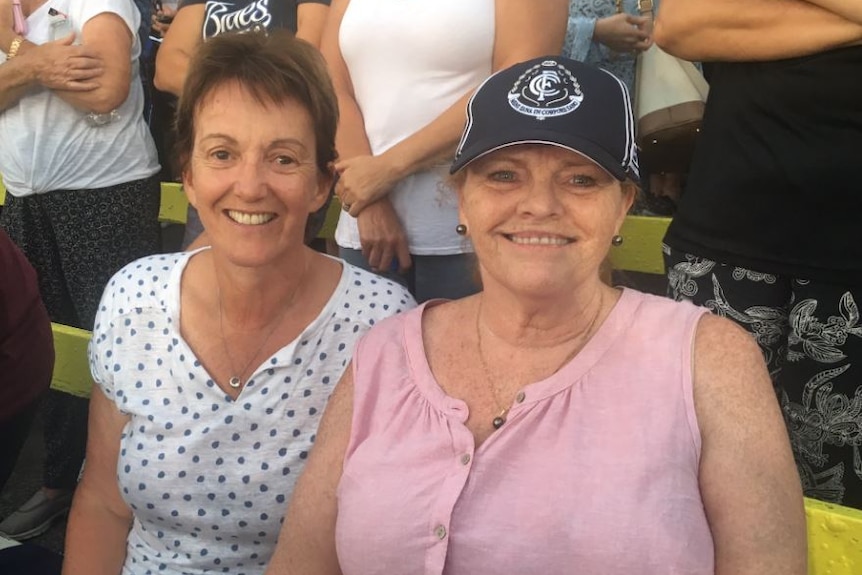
{"x":208,"y":477}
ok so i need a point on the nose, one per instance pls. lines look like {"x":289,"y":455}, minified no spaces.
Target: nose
{"x":251,"y":184}
{"x":540,"y":198}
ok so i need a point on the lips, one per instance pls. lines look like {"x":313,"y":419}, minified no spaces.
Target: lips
{"x":250,"y":218}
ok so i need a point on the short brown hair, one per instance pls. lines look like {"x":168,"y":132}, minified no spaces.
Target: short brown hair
{"x":274,"y":68}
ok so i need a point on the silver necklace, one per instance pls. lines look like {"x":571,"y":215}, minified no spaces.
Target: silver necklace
{"x":236,"y":381}
{"x":498,"y":421}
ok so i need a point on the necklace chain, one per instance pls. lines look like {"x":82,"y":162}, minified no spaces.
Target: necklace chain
{"x":500,"y":419}
{"x":236,"y":381}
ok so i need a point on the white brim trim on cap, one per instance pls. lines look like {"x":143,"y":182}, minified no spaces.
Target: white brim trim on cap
{"x":596,"y":155}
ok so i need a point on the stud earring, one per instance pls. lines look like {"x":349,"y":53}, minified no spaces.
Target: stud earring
{"x":617,"y":241}
{"x":461,"y":230}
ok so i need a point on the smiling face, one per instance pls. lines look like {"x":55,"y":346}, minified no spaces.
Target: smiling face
{"x":541,"y":217}
{"x":253,"y":175}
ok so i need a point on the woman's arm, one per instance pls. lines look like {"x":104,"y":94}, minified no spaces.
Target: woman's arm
{"x":748,"y":481}
{"x":847,"y":9}
{"x":523,"y":30}
{"x":109,"y":38}
{"x":745,"y":30}
{"x":350,"y":139}
{"x":99,"y":521}
{"x":306,"y":544}
{"x":54,"y":65}
{"x":178,"y":45}
{"x":310,"y":19}
{"x":382,"y":234}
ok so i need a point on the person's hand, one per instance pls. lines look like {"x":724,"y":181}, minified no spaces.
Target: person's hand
{"x":161,"y":20}
{"x":362,"y":180}
{"x":382,"y":237}
{"x":666,"y":185}
{"x":624,"y":32}
{"x":61,"y":66}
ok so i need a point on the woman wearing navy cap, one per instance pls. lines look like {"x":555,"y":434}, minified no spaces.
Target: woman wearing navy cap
{"x":551,"y":423}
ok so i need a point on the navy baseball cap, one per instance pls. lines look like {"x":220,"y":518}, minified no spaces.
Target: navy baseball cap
{"x":557,"y":101}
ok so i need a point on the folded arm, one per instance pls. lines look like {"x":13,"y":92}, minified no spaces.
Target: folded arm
{"x":747,"y":30}
{"x":100,"y":520}
{"x":748,"y":481}
{"x":54,"y":65}
{"x":108,"y":37}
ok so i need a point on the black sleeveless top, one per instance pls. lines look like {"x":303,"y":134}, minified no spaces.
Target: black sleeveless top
{"x":774,"y":185}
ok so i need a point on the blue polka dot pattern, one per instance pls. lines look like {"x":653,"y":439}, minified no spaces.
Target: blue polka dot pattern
{"x":208,"y":478}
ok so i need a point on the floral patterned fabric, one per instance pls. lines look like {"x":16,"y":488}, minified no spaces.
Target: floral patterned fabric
{"x":811,"y":337}
{"x":579,"y":43}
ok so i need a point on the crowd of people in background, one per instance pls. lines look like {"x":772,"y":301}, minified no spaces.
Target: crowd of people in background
{"x":279,"y":117}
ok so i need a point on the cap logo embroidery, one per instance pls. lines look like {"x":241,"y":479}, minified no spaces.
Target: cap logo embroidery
{"x":546,"y":90}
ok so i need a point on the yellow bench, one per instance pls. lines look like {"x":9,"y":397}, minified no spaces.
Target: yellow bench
{"x":641,"y":247}
{"x":834,"y":539}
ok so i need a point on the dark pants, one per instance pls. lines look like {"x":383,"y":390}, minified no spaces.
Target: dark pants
{"x":430,"y":277}
{"x":14,"y":432}
{"x":76,"y":240}
{"x":811,"y":338}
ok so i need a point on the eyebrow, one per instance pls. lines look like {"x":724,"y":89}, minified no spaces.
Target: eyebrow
{"x":277,"y":143}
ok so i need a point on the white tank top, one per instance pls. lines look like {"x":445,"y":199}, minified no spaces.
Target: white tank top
{"x":409,"y":60}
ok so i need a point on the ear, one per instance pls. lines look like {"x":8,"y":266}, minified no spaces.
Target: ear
{"x":456,"y":186}
{"x":628,"y":190}
{"x":189,"y":187}
{"x":323,"y":188}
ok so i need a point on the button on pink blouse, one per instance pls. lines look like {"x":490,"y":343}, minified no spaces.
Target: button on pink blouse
{"x":594,"y":472}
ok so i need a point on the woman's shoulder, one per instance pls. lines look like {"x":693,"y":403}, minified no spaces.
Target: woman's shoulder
{"x":84,"y":10}
{"x":150,"y":269}
{"x":144,"y":282}
{"x":658,"y":308}
{"x":371,"y":297}
{"x":721,"y":345}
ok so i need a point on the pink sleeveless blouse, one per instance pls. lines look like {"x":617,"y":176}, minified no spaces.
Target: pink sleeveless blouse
{"x":594,"y":472}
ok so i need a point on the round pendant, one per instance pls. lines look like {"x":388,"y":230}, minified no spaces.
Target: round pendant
{"x":235,"y":382}
{"x":498,"y":422}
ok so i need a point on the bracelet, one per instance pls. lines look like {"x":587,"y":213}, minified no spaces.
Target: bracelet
{"x":644,"y":5}
{"x":13,"y":47}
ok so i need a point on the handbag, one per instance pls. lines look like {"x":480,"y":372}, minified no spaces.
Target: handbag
{"x":670,"y":97}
